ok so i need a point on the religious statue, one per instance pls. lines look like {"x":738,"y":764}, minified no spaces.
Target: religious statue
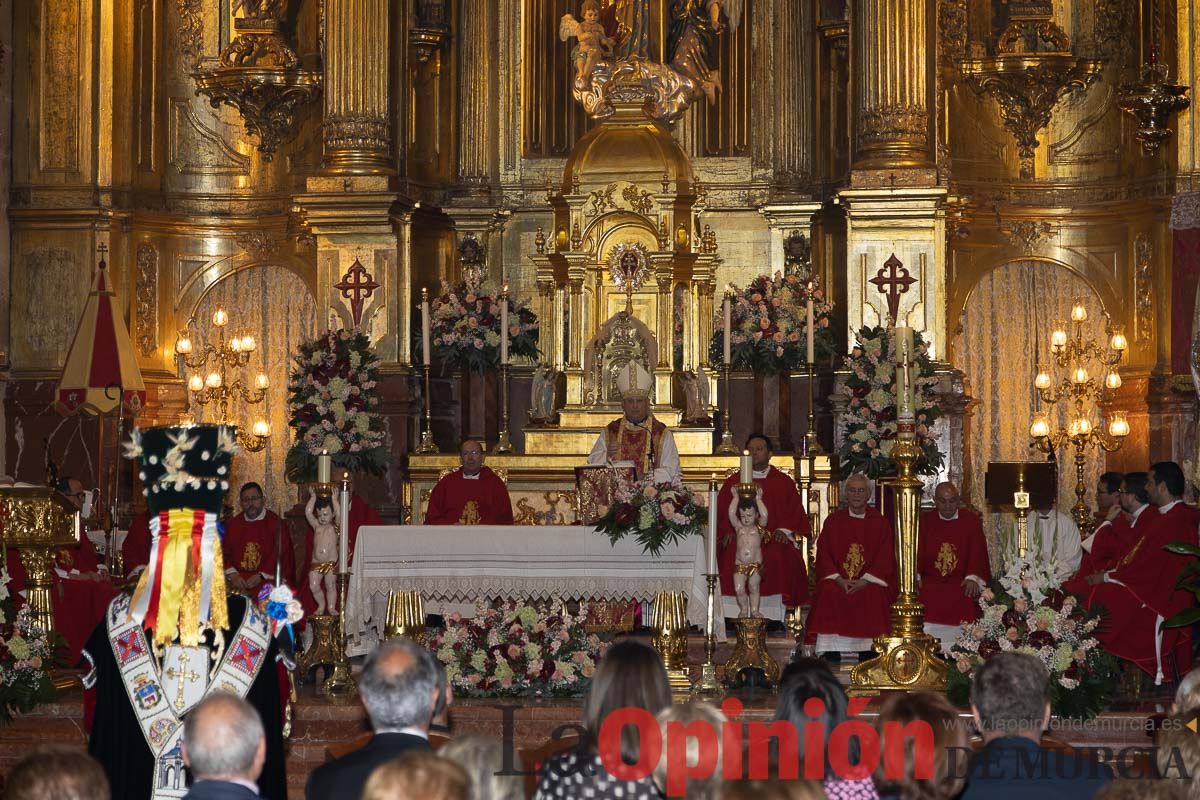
{"x":695,"y":393}
{"x":321,"y":515}
{"x":593,"y":43}
{"x":541,"y":394}
{"x":749,"y":520}
{"x":694,"y":39}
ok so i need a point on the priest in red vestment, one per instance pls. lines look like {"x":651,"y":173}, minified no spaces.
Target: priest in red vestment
{"x":855,"y":570}
{"x":637,"y":439}
{"x":471,"y":494}
{"x":783,"y":571}
{"x":249,"y":544}
{"x":1139,"y":593}
{"x":1117,"y":534}
{"x":952,"y":565}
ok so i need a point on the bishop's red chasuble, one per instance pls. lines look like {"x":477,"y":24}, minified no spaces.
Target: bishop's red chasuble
{"x":783,"y":569}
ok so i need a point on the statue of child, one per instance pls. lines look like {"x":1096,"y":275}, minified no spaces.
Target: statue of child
{"x":321,"y":515}
{"x":749,"y":520}
{"x":593,"y":43}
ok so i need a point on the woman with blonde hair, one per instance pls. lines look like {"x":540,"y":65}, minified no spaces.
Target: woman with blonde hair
{"x":482,"y":758}
{"x":418,"y":775}
{"x":698,"y":788}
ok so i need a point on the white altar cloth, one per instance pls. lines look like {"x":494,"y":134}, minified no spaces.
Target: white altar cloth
{"x":454,"y":565}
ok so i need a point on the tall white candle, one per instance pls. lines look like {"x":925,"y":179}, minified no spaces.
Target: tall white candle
{"x":746,"y":468}
{"x":504,"y":325}
{"x":425,"y":336}
{"x":344,"y":525}
{"x":727,"y":311}
{"x":710,"y":556}
{"x":811,"y":352}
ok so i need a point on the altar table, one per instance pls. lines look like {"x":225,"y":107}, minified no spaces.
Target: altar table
{"x":455,"y":565}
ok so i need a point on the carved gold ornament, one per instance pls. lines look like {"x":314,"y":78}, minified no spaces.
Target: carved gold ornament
{"x":1153,"y":101}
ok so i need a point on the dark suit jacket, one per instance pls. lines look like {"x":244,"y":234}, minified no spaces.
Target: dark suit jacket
{"x":346,"y":777}
{"x":1012,"y":766}
{"x":219,"y":790}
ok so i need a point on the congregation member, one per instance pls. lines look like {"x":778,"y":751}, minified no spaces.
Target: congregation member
{"x":952,"y":565}
{"x":1056,"y":536}
{"x":1177,"y":753}
{"x":855,"y":569}
{"x":56,"y":772}
{"x":690,"y":715}
{"x":637,"y":439}
{"x":949,"y":743}
{"x":1010,"y":702}
{"x":783,"y":569}
{"x":256,"y":542}
{"x":630,"y":675}
{"x":399,"y":688}
{"x":482,"y":759}
{"x":470,"y":495}
{"x":418,"y":775}
{"x":1113,"y":539}
{"x":224,"y":746}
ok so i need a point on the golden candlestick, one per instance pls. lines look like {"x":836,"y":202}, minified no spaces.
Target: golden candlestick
{"x":427,"y":445}
{"x":809,"y":444}
{"x":908,"y":657}
{"x":340,"y":680}
{"x":727,"y":447}
{"x":504,"y":444}
{"x":708,"y":685}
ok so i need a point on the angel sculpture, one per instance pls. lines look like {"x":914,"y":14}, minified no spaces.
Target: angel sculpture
{"x":593,"y":42}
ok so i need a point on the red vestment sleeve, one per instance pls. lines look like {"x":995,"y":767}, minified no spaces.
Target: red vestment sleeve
{"x":499,"y":502}
{"x":437,"y":512}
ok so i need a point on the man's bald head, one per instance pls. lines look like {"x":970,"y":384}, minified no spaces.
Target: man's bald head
{"x":947,"y":500}
{"x":399,"y":686}
{"x":223,"y":739}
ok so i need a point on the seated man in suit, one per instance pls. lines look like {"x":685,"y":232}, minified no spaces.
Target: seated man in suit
{"x":1010,"y":700}
{"x":225,"y":746}
{"x":399,"y":688}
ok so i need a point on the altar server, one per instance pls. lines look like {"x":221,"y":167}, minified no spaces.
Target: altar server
{"x":470,"y":495}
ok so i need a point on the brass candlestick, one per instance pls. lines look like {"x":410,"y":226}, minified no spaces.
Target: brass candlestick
{"x":727,"y":447}
{"x":809,"y":444}
{"x":908,"y":657}
{"x":339,"y":679}
{"x":708,"y":685}
{"x":427,"y":445}
{"x":504,"y":444}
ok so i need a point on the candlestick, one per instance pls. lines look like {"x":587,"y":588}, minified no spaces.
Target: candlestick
{"x":504,"y":325}
{"x":504,"y":445}
{"x":746,"y":468}
{"x":425,"y":336}
{"x":811,"y":351}
{"x":324,"y":466}
{"x":340,"y":679}
{"x":710,"y":559}
{"x":726,"y":447}
{"x":727,"y":312}
{"x":427,"y":444}
{"x":708,"y":685}
{"x":344,"y":524}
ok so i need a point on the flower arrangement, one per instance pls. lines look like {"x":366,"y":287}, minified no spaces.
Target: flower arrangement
{"x":658,"y":514}
{"x":870,"y":419}
{"x":518,"y":649}
{"x":332,"y":397}
{"x":1026,"y":611}
{"x":465,"y":327}
{"x":26,"y":655}
{"x":768,"y":327}
{"x":281,"y":607}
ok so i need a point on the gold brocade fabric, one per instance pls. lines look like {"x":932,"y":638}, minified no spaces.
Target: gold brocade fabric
{"x":1005,"y":330}
{"x":272,"y":304}
{"x":854,"y":562}
{"x":470,"y":514}
{"x":947,"y":559}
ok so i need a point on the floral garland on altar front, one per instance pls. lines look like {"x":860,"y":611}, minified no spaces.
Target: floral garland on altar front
{"x":332,"y":397}
{"x":465,"y":328}
{"x":769,"y":327}
{"x":870,"y":415}
{"x":27,"y":653}
{"x":518,"y":649}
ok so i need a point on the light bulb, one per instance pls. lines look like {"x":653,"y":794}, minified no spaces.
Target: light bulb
{"x":1040,"y":427}
{"x":195,"y":383}
{"x":1080,"y":426}
{"x":1113,"y":380}
{"x":183,"y":345}
{"x":1118,"y":341}
{"x":1058,"y":335}
{"x":1079,"y":311}
{"x":235,"y":344}
{"x":261,"y":382}
{"x":220,"y":318}
{"x":1118,"y":425}
{"x":1079,"y":375}
{"x":1042,"y":381}
{"x":248,"y":344}
{"x":262,"y":428}
{"x":213,"y":381}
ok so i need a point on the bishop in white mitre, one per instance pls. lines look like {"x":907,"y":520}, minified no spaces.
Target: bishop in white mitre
{"x":637,"y":439}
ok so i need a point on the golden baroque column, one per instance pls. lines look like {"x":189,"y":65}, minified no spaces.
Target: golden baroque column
{"x":476,"y":74}
{"x":357,"y":131}
{"x":891,"y":93}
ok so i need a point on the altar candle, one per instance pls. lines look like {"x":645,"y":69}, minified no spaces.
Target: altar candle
{"x":710,"y":555}
{"x":727,"y":311}
{"x":747,"y":468}
{"x":344,"y":525}
{"x":425,"y":326}
{"x":811,"y":328}
{"x":504,"y":325}
{"x":324,"y":464}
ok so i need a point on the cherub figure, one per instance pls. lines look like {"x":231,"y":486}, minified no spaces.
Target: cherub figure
{"x":594,"y":44}
{"x":321,"y":515}
{"x":749,"y":520}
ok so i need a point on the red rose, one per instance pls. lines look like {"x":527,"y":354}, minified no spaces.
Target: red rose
{"x":1054,"y":599}
{"x":626,"y":515}
{"x":1013,"y":619}
{"x":988,"y":648}
{"x":1041,"y":639}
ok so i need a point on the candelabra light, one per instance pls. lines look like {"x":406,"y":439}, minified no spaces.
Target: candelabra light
{"x":215,"y":386}
{"x":1091,"y":373}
